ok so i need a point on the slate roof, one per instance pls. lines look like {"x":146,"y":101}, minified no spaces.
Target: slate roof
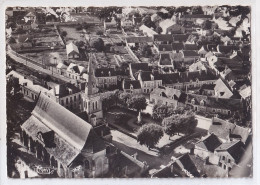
{"x":197,"y":16}
{"x":177,"y":46}
{"x":69,"y":139}
{"x":135,"y":83}
{"x":217,"y":103}
{"x":165,"y":47}
{"x":104,"y":72}
{"x":209,"y":143}
{"x":224,"y":129}
{"x":147,"y":75}
{"x":180,"y":37}
{"x":163,"y":37}
{"x":170,"y":93}
{"x":190,"y":47}
{"x":165,"y":59}
{"x":245,"y":92}
{"x":185,"y":162}
{"x":135,"y":67}
{"x":187,"y":77}
{"x":63,"y":90}
{"x":190,"y":53}
{"x":234,"y":148}
{"x":138,"y":39}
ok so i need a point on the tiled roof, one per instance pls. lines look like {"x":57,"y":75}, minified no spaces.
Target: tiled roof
{"x":135,"y":83}
{"x":139,"y":39}
{"x":210,"y":143}
{"x":104,"y":72}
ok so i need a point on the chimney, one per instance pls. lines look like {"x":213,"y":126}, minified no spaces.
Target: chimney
{"x":200,"y":71}
{"x":187,"y":73}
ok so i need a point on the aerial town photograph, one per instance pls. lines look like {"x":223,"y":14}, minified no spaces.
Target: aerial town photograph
{"x":129,"y":92}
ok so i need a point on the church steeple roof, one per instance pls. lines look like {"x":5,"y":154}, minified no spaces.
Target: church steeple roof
{"x":91,"y":80}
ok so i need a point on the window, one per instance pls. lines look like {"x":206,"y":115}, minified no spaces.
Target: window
{"x":220,"y":164}
{"x":229,"y":160}
{"x":225,"y":166}
{"x":223,"y":158}
{"x":93,"y":105}
{"x":75,"y":98}
{"x":79,"y":96}
{"x":70,"y":99}
{"x":62,"y":102}
{"x":67,"y":100}
{"x":96,"y":104}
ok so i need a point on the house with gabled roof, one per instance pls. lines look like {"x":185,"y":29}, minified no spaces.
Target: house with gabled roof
{"x":132,"y":86}
{"x":168,"y":96}
{"x":147,"y":31}
{"x":63,"y":140}
{"x":67,"y":95}
{"x":229,"y":154}
{"x":165,"y":60}
{"x":75,"y":71}
{"x":213,"y":105}
{"x":134,"y":69}
{"x":188,"y":80}
{"x":137,"y":41}
{"x":106,"y":77}
{"x":149,"y":80}
{"x":72,"y":51}
{"x":182,"y":166}
{"x":227,"y":131}
{"x":206,"y":146}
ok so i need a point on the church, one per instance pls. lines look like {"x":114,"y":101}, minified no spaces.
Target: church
{"x":91,"y":102}
{"x":64,"y":141}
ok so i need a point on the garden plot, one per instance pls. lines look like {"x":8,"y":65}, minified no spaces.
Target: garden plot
{"x":73,"y":34}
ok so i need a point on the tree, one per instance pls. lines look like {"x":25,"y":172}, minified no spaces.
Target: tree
{"x":149,"y":134}
{"x":99,"y":32}
{"x":146,"y":50}
{"x":109,"y":101}
{"x":11,"y":40}
{"x":64,"y":33}
{"x":158,"y":30}
{"x":207,"y":25}
{"x":197,"y":10}
{"x":180,"y":123}
{"x":80,"y":43}
{"x":123,"y":97}
{"x":98,"y":44}
{"x":162,"y":111}
{"x":147,"y":21}
{"x":137,"y":102}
